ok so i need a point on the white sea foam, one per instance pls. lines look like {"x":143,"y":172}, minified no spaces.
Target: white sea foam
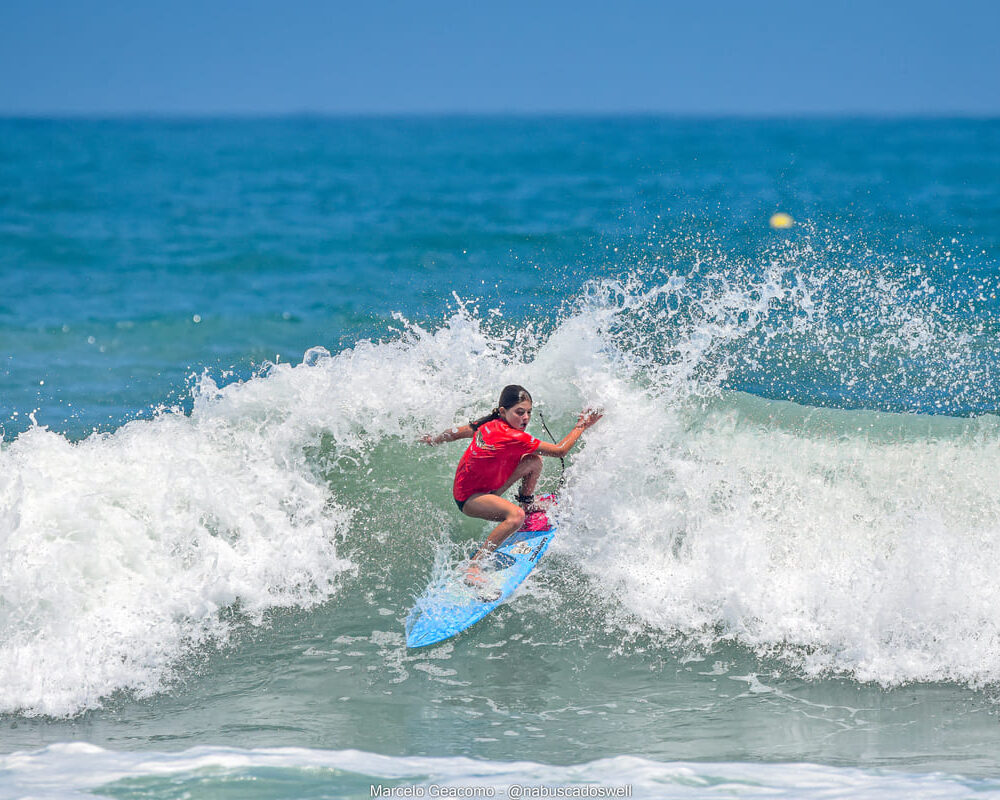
{"x":119,"y":552}
{"x":834,"y":539}
{"x":77,"y":771}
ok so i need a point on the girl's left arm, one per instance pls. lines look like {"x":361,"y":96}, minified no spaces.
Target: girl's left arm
{"x":450,"y":435}
{"x":586,"y":420}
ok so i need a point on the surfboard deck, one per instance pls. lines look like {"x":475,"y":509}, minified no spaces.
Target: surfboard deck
{"x":448,"y":607}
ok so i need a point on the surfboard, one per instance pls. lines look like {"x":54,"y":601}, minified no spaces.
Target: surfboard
{"x":448,"y":607}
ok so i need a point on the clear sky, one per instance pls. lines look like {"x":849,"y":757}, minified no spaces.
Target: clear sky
{"x":700,"y":56}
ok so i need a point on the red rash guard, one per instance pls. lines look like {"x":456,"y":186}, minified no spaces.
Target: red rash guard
{"x":491,"y":458}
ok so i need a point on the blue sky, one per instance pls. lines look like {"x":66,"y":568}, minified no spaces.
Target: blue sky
{"x":695,"y":57}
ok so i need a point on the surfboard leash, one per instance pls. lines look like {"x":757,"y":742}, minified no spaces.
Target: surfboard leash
{"x":562,"y":462}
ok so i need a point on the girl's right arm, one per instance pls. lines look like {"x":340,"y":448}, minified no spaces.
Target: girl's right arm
{"x":450,"y":435}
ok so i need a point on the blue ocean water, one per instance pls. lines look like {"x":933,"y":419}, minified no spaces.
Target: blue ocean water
{"x":221,"y":340}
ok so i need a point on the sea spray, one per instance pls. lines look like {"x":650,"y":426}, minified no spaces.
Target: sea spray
{"x":821,"y":318}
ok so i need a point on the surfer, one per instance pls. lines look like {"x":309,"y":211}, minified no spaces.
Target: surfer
{"x":502,"y":453}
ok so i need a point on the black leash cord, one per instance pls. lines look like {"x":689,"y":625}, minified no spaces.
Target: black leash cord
{"x":562,"y":462}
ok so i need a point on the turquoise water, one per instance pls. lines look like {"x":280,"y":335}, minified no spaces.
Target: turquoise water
{"x":221,"y":341}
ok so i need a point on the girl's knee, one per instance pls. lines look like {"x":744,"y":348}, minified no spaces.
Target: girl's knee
{"x":533,"y":462}
{"x":516,"y":514}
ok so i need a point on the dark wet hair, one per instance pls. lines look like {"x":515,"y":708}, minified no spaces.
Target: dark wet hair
{"x":509,"y":397}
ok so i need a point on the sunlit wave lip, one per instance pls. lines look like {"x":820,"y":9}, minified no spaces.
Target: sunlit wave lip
{"x":79,"y":770}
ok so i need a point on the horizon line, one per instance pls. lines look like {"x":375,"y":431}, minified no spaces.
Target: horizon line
{"x":122,"y":115}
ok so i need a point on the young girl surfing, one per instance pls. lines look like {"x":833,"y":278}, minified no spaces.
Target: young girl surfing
{"x":500,"y":454}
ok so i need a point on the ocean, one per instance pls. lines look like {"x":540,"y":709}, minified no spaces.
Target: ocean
{"x":775,"y":574}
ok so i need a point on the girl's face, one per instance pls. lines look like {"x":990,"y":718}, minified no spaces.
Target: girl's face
{"x":517,"y":417}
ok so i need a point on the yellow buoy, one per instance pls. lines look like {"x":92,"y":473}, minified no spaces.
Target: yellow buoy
{"x":781,"y":220}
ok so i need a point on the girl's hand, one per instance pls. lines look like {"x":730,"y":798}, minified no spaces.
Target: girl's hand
{"x":428,"y":439}
{"x":588,"y":418}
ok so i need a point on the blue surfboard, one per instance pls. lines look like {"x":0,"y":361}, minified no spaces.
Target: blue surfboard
{"x":450,"y":606}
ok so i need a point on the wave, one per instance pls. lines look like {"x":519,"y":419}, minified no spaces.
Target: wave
{"x":80,"y":771}
{"x":840,"y":540}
